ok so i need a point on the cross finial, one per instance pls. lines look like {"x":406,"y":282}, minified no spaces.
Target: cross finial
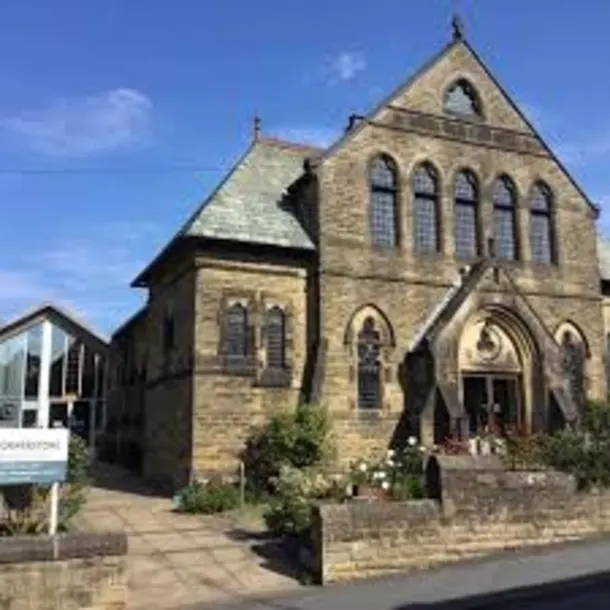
{"x":457,"y":26}
{"x":257,"y":127}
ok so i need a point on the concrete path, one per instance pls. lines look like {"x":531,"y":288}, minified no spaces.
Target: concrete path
{"x":176,"y":560}
{"x":564,"y":577}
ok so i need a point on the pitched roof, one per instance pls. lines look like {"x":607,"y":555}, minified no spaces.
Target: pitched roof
{"x":247,"y":206}
{"x":52,"y":311}
{"x":427,"y":66}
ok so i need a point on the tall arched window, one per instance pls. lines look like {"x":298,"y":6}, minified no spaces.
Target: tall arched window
{"x":384,"y":196}
{"x":541,"y":230}
{"x":237,"y":333}
{"x":505,"y":225}
{"x":425,"y":209}
{"x":369,"y":366}
{"x":466,"y":225}
{"x":275,"y":325}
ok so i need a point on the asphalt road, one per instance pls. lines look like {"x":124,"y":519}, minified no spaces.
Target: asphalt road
{"x":557,"y":579}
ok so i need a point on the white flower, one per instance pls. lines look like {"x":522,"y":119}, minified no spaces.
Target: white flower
{"x":412,"y":441}
{"x":390,"y":462}
{"x":385,"y":485}
{"x":362,"y":467}
{"x":422,"y":449}
{"x":391,"y":453}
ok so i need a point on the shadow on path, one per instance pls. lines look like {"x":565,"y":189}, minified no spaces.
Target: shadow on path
{"x":116,"y":478}
{"x":278,"y":555}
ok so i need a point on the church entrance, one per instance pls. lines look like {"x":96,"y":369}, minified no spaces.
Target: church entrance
{"x":492,"y":402}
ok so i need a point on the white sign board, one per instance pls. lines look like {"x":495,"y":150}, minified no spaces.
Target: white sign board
{"x":33,"y":455}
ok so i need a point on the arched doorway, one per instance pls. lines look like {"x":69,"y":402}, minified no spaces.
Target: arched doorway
{"x":495,"y":364}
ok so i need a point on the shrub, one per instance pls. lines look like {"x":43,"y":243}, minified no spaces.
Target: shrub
{"x":296,"y":492}
{"x":298,"y":438}
{"x":207,"y":497}
{"x":400,"y":474}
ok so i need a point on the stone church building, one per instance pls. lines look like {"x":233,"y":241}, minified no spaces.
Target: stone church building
{"x":435,"y":268}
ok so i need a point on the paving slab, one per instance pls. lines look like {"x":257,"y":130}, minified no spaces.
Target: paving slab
{"x":177,"y":560}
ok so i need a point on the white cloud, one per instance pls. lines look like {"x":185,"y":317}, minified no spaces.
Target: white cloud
{"x":89,"y":276}
{"x":100,"y":123}
{"x":345,"y":66}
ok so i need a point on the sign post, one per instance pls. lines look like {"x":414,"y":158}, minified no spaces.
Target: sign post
{"x":35,"y":456}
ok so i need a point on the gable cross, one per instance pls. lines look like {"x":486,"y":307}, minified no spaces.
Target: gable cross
{"x":458,"y":27}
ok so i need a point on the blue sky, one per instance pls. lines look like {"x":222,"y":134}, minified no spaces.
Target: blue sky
{"x":117,"y":117}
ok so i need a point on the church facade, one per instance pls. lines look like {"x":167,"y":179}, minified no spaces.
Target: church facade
{"x":432,"y":272}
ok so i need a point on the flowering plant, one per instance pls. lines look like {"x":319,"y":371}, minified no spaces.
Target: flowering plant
{"x":399,"y":474}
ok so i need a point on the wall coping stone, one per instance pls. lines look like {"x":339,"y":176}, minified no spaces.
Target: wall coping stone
{"x":468,"y":462}
{"x":26,"y":549}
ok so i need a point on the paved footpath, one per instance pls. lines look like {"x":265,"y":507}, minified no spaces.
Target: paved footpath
{"x":176,"y":560}
{"x":526,"y":581}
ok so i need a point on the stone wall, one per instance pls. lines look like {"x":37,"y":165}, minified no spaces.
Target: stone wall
{"x":84,"y":571}
{"x":226,"y":404}
{"x":484,"y":509}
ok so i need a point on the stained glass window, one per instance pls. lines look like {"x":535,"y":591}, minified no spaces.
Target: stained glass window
{"x":505,"y":226}
{"x":237,"y":332}
{"x":462,"y":99}
{"x":425,"y":207}
{"x":466,"y":230}
{"x":540,"y":224}
{"x":383,"y":202}
{"x":276,"y":338}
{"x":369,"y":366}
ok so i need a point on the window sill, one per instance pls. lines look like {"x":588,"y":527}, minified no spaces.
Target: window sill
{"x":238,"y":368}
{"x":275,"y":378}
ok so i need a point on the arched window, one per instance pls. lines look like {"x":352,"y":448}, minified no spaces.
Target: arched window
{"x":505,"y":221}
{"x":275,"y":325}
{"x":540,"y":224}
{"x":573,"y":354}
{"x":425,"y":209}
{"x":466,"y":225}
{"x":237,"y":333}
{"x":384,"y":193}
{"x":369,"y":366}
{"x":462,"y":99}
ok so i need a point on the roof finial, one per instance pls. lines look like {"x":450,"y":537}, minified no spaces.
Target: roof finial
{"x":257,"y":128}
{"x":457,"y":25}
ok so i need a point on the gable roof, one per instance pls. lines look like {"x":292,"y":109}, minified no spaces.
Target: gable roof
{"x":424,"y":69}
{"x":57,"y":314}
{"x":247,"y":206}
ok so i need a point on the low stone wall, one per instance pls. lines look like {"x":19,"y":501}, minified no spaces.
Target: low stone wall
{"x":70,"y":572}
{"x":481,"y":509}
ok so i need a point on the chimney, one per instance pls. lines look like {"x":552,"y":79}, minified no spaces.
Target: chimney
{"x":256,"y":128}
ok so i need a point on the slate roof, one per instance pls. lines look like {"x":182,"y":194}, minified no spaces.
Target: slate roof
{"x":247,"y":206}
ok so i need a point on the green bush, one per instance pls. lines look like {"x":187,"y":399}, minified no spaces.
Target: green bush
{"x":207,"y":497}
{"x":298,"y":438}
{"x":296,"y":492}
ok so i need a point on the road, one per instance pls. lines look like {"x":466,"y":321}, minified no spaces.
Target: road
{"x":557,"y":579}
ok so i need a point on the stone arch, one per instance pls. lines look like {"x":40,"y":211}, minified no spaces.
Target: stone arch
{"x":369,"y":342}
{"x":496,"y":343}
{"x":575,"y":354}
{"x":575,"y":334}
{"x":382,"y":322}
